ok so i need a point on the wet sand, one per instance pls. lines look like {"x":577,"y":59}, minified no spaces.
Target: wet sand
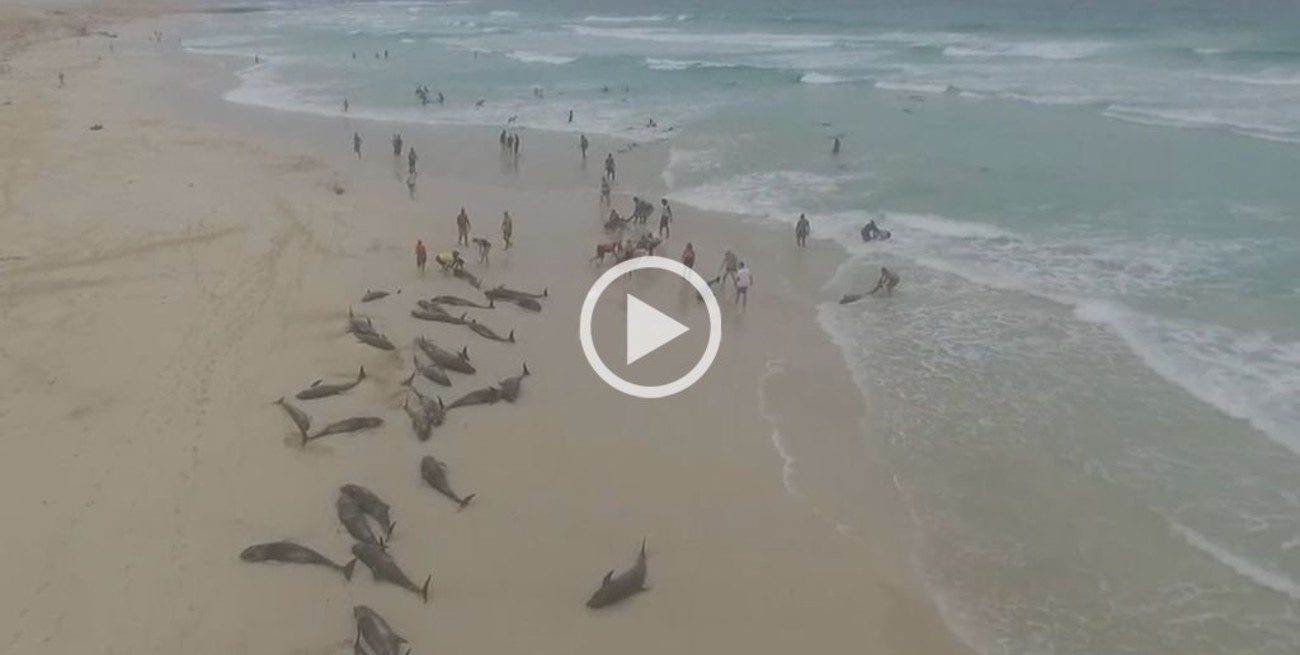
{"x":166,"y":278}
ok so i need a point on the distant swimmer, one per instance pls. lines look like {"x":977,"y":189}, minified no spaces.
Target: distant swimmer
{"x":571,"y":117}
{"x":651,"y":124}
{"x":462,"y":228}
{"x":356,"y":144}
{"x":835,"y":148}
{"x":385,"y":54}
{"x":583,"y":144}
{"x":801,"y":230}
{"x":397,"y":145}
{"x":345,"y":105}
{"x":507,"y":231}
{"x":440,"y":98}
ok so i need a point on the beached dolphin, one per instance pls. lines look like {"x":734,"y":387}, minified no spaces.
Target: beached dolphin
{"x":510,"y":387}
{"x":375,"y":295}
{"x":360,"y":324}
{"x":433,"y":408}
{"x":458,"y":362}
{"x":487,"y":332}
{"x":527,"y":303}
{"x":287,"y":551}
{"x":435,"y":473}
{"x":376,"y":633}
{"x":371,"y":504}
{"x":299,"y":417}
{"x":318,"y":390}
{"x":502,"y":291}
{"x":353,"y":424}
{"x":384,"y":568}
{"x":486,"y":396}
{"x":420,"y":423}
{"x":437,"y":317}
{"x":430,"y":372}
{"x":375,"y":339}
{"x":354,"y":521}
{"x":616,"y":588}
{"x":468,"y":277}
{"x":852,"y":297}
{"x":457,"y":301}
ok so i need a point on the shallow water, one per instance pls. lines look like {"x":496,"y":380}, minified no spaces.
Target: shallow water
{"x":1089,"y":382}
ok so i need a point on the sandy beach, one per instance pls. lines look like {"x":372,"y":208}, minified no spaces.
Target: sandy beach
{"x":164,"y":279}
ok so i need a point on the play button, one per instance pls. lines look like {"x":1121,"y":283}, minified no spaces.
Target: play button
{"x":649,"y":329}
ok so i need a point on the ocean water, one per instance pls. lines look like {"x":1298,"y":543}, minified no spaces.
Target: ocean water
{"x":1088,"y":384}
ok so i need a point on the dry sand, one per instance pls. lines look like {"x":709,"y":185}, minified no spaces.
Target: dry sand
{"x":163,"y":280}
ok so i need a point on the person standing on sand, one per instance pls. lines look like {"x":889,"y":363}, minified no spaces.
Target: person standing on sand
{"x":609,"y":167}
{"x":604,"y":192}
{"x":728,"y":268}
{"x":411,"y":158}
{"x":507,"y":231}
{"x":462,"y":228}
{"x":516,"y":146}
{"x":421,"y":256}
{"x":801,"y":230}
{"x":582,"y":145}
{"x":665,"y":217}
{"x":345,"y":105}
{"x":688,"y":257}
{"x":410,"y":185}
{"x":744,"y":279}
{"x":502,"y":139}
{"x":397,"y":145}
{"x":356,"y":144}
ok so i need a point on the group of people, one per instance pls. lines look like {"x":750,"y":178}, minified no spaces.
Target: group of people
{"x":451,"y":261}
{"x":423,"y":94}
{"x":888,"y":279}
{"x":510,"y":143}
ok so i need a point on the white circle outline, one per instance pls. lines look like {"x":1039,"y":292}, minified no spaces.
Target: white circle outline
{"x":640,"y":390}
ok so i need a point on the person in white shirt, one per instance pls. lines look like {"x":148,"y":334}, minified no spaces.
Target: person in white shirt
{"x":744,"y":279}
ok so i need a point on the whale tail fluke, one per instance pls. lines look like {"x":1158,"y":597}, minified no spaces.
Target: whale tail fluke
{"x":511,"y":338}
{"x":424,"y":591}
{"x":347,"y":569}
{"x":465,"y":501}
{"x":361,"y":374}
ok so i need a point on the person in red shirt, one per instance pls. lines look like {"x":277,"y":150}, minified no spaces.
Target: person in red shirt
{"x":421,"y":255}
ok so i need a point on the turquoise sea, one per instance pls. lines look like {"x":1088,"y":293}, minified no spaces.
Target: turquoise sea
{"x":1088,"y":386}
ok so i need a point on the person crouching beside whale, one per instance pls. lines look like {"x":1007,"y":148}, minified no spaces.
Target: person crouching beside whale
{"x":449,"y":261}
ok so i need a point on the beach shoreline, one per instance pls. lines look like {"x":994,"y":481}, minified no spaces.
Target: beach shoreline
{"x":203,"y":269}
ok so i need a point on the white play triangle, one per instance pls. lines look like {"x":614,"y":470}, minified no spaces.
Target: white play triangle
{"x":648,"y":329}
